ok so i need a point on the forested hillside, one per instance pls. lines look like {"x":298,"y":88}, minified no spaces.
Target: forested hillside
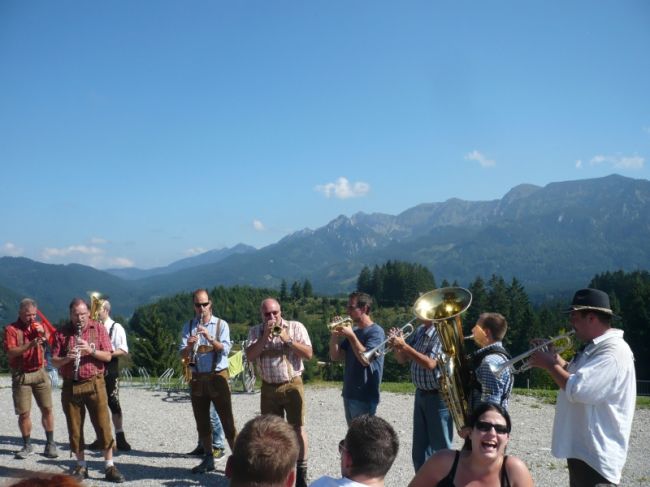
{"x":155,"y":329}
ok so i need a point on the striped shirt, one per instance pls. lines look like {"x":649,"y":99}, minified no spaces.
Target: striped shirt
{"x":425,"y":341}
{"x":279,"y":363}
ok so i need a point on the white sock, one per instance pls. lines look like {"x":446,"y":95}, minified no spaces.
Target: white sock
{"x":109,"y":463}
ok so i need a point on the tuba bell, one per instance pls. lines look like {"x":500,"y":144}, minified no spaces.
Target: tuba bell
{"x":96,"y":302}
{"x":443,"y":307}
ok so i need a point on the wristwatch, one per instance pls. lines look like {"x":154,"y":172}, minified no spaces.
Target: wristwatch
{"x":289,"y":342}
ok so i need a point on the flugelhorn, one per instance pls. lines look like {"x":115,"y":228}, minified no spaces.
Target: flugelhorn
{"x":370,"y":355}
{"x":498,"y":370}
{"x":336,"y":325}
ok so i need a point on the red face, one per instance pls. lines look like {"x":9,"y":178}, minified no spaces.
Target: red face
{"x":79,"y":314}
{"x":27,"y":314}
{"x":270,"y":311}
{"x":203,"y":305}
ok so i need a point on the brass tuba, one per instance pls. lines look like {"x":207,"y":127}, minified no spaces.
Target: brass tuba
{"x":96,"y":303}
{"x":444,"y":306}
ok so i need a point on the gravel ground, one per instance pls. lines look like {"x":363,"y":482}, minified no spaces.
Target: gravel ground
{"x":160,"y":427}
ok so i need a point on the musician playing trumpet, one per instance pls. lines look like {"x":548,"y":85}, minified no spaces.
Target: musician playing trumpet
{"x":278,"y":347}
{"x":433,"y":426}
{"x":23,"y":341}
{"x":597,"y":398}
{"x":362,"y":378}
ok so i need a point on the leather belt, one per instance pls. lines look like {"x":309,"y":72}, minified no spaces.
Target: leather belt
{"x":431,"y":391}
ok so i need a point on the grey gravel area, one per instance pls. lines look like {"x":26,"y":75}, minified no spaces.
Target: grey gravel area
{"x":160,"y":427}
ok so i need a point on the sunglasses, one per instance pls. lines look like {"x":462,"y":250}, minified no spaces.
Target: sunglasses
{"x":484,"y":426}
{"x":342,"y":446}
{"x":202,"y":305}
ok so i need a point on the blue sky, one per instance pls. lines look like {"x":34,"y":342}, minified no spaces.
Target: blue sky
{"x":137,"y":133}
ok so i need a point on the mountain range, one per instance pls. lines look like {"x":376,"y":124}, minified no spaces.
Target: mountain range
{"x":553,"y":239}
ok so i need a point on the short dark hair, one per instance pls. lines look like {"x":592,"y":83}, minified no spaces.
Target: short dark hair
{"x":362,"y":299}
{"x":200,"y":290}
{"x":372,"y":444}
{"x":265,"y":452}
{"x":76,"y":302}
{"x":496,"y":323}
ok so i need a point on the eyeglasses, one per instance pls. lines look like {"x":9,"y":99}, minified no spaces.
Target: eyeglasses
{"x":484,"y":426}
{"x":341,"y":446}
{"x":202,"y":305}
{"x":272,"y":313}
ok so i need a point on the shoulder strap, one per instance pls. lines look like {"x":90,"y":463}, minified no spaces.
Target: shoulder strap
{"x":505,"y":481}
{"x":214,"y":354}
{"x":110,"y":333}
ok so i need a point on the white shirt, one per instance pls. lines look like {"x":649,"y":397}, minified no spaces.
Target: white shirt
{"x":593,"y":416}
{"x":118,"y":340}
{"x":326,"y":481}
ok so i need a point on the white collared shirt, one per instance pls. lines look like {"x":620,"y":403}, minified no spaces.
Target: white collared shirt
{"x":593,"y":416}
{"x":118,"y":338}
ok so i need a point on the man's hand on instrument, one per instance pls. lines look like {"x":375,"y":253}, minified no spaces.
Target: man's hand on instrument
{"x":395,"y":339}
{"x":543,"y":359}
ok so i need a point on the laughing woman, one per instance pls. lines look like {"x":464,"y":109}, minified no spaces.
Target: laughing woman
{"x":482,"y":461}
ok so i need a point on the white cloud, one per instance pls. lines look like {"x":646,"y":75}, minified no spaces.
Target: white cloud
{"x":120,"y":262}
{"x":579,"y":164}
{"x":480,"y":158}
{"x":342,"y":189}
{"x":85,"y":250}
{"x":195,"y":251}
{"x":619,"y":162}
{"x":98,"y":241}
{"x":11,"y":249}
{"x":258,"y":225}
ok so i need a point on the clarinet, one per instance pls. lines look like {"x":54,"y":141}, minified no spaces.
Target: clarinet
{"x":77,"y":358}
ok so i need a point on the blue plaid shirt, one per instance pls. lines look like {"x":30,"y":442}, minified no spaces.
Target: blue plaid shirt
{"x":425,"y":341}
{"x":494,"y":389}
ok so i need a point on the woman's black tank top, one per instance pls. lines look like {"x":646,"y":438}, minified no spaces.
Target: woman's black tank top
{"x":448,"y":481}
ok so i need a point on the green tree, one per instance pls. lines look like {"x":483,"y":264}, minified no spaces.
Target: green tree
{"x":155,"y":349}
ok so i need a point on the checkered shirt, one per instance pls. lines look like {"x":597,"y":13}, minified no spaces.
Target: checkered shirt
{"x":494,"y":389}
{"x":273,"y":363}
{"x":426,"y":342}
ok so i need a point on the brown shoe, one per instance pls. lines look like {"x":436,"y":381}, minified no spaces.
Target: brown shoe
{"x":113,"y":475}
{"x":79,"y":473}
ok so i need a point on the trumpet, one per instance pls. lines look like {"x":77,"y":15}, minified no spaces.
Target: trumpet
{"x":337,"y":325}
{"x":370,"y":355}
{"x":276,"y":331}
{"x":498,"y":370}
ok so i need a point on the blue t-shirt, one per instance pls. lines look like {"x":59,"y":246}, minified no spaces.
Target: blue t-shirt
{"x":359,"y":382}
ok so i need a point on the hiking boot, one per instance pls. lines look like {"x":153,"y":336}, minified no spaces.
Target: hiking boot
{"x":24,"y":452}
{"x":197,"y":452}
{"x":79,"y":473}
{"x":206,"y":465}
{"x":113,"y":475}
{"x":218,"y":453}
{"x":95,"y":445}
{"x":121,"y":442}
{"x":50,"y":450}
